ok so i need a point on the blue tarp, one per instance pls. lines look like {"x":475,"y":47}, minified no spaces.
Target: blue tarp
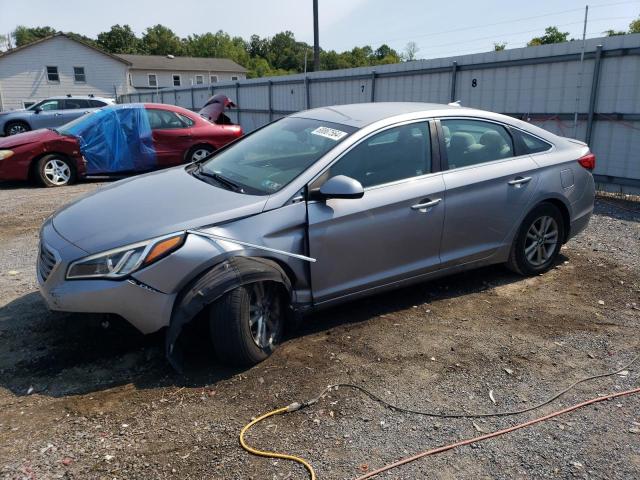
{"x":115,"y":139}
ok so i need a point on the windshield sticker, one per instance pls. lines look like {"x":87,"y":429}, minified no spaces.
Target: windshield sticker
{"x":331,"y":133}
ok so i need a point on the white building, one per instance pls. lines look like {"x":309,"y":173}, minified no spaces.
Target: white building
{"x":62,"y":65}
{"x":58,"y":65}
{"x":149,"y":72}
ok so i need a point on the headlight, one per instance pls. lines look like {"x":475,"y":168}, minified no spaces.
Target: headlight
{"x":120,"y":262}
{"x":4,"y":154}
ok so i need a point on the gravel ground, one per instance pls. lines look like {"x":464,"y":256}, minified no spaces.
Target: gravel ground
{"x":81,"y":401}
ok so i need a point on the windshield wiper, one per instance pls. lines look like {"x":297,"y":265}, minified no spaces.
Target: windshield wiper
{"x":230,"y":184}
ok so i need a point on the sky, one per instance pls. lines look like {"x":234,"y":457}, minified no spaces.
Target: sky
{"x":439,"y":29}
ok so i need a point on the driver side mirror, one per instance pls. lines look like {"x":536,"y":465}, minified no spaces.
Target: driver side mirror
{"x":340,"y":186}
{"x":37,"y":110}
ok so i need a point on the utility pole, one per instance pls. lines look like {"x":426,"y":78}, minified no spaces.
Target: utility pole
{"x":579,"y":86}
{"x":316,"y":38}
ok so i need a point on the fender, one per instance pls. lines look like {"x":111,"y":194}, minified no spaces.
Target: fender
{"x":206,"y":289}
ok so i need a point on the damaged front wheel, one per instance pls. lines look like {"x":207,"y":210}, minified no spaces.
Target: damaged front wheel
{"x":246,"y":323}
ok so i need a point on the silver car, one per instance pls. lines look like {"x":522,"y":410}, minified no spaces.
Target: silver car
{"x":49,"y":113}
{"x":321,"y":207}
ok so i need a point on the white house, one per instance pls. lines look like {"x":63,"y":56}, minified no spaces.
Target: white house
{"x":59,"y":65}
{"x":156,"y":71}
{"x":63,"y":65}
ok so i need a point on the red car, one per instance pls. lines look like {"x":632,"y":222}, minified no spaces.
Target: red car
{"x":117,"y":139}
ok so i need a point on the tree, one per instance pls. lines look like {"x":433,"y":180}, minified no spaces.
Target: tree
{"x":258,"y":47}
{"x":119,"y":39}
{"x":634,"y":27}
{"x":499,"y":46}
{"x":5,"y":42}
{"x":160,"y":40}
{"x":410,"y":51}
{"x":551,"y":35}
{"x":23,"y":35}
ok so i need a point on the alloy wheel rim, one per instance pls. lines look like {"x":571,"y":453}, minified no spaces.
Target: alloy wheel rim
{"x":542,"y":240}
{"x":264,"y":314}
{"x":57,"y":172}
{"x":15,"y":129}
{"x":200,"y":154}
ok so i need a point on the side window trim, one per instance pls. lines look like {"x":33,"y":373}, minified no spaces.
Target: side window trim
{"x":311,"y":185}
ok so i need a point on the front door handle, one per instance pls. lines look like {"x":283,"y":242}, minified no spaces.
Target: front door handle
{"x":428,"y":204}
{"x":57,"y":114}
{"x":519,"y":181}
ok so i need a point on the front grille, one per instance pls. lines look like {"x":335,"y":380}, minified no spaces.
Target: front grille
{"x":46,"y":261}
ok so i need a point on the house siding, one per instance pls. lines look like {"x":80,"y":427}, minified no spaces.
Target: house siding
{"x":23,"y":75}
{"x":139,"y":77}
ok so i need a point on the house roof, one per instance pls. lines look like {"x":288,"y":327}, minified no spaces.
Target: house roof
{"x":70,"y":37}
{"x":204,"y":64}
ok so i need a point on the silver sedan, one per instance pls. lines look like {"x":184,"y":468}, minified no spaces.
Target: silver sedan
{"x":317,"y":208}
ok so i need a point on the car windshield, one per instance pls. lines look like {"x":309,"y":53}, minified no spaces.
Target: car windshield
{"x":67,"y":127}
{"x":265,"y":161}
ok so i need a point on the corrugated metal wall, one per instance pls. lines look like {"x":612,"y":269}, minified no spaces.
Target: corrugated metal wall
{"x":541,"y":84}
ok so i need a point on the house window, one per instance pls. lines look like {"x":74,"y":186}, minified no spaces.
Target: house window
{"x":234,"y":78}
{"x":199,"y":79}
{"x":153,"y":80}
{"x":52,"y":74}
{"x":176,"y":80}
{"x":213,"y":79}
{"x":79,"y":75}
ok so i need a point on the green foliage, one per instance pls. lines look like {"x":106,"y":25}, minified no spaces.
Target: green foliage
{"x":499,"y":46}
{"x":23,"y":35}
{"x":160,"y":40}
{"x":634,"y":27}
{"x":119,"y":39}
{"x":551,"y":35}
{"x":281,"y":54}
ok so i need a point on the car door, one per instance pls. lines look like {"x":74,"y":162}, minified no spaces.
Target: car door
{"x":48,"y":114}
{"x":75,"y":108}
{"x":488,"y":188}
{"x":171,"y":135}
{"x":393,"y":231}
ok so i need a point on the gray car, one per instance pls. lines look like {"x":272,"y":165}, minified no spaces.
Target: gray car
{"x":321,"y":207}
{"x":49,"y":113}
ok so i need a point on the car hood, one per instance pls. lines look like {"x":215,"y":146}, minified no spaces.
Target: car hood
{"x":33,"y":136}
{"x":148,"y":206}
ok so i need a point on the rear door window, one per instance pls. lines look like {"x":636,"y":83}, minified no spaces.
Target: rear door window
{"x":470,"y":142}
{"x":76,"y":103}
{"x":164,"y":119}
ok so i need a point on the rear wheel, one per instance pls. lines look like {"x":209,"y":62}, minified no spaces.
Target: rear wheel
{"x":199,"y":152}
{"x":246,"y":324}
{"x":538,"y":241}
{"x":15,"y":127}
{"x":55,"y":171}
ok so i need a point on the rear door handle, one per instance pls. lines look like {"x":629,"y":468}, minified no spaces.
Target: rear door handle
{"x":427,"y":204}
{"x":519,"y":181}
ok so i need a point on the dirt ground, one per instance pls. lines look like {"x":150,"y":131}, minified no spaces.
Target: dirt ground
{"x":78,"y":400}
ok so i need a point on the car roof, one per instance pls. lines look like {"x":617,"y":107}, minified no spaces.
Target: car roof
{"x":83,"y":97}
{"x":362,"y":114}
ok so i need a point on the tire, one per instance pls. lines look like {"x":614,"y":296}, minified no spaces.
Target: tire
{"x":55,"y":170}
{"x":15,"y":127}
{"x":234,"y":323}
{"x":538,"y":241}
{"x":199,"y":152}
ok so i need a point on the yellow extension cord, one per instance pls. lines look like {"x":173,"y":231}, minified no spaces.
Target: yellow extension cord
{"x":262,"y":453}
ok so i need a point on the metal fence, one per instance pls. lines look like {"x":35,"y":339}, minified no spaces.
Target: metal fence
{"x":545,"y":85}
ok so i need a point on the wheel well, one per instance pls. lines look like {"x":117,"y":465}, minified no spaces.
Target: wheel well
{"x":34,"y":163}
{"x":16,"y":121}
{"x":566,"y":218}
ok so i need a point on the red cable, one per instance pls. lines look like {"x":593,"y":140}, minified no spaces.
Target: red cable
{"x":494,"y":434}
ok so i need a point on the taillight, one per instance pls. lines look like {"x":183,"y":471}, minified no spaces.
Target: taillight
{"x":588,"y":161}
